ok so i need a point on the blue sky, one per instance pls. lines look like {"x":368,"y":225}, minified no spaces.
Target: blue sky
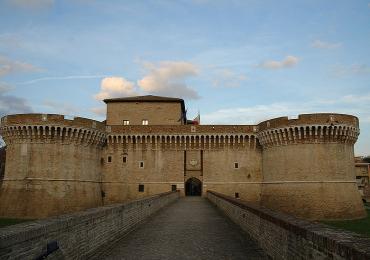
{"x":237,"y":62}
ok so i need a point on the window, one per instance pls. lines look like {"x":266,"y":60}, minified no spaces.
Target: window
{"x":141,"y":187}
{"x":141,"y":164}
{"x":174,"y":187}
{"x":109,"y":159}
{"x":236,"y":165}
{"x":126,"y":122}
{"x":237,"y":195}
{"x":124,"y":159}
{"x":145,"y":122}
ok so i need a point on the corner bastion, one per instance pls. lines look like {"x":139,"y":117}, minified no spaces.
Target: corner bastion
{"x":53,"y":166}
{"x":308,"y":166}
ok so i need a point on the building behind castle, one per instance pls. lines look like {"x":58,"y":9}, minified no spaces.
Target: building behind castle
{"x":55,"y":165}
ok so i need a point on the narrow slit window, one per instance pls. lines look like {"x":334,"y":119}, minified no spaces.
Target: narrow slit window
{"x":124,"y":159}
{"x":236,"y":165}
{"x":141,"y":187}
{"x":109,"y":159}
{"x":237,"y":195}
{"x":141,"y":164}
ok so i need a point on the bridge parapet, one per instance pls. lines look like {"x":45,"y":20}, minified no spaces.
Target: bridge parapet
{"x":79,"y":235}
{"x":283,"y":236}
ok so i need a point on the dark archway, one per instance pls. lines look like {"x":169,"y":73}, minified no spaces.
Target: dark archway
{"x":193,"y":187}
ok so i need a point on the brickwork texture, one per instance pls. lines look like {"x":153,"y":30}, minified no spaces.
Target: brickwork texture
{"x":283,"y":236}
{"x":78,"y":235}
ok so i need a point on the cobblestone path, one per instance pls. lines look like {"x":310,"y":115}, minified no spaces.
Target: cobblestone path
{"x":191,"y":228}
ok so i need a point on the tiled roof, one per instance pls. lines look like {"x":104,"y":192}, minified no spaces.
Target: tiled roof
{"x":147,"y":98}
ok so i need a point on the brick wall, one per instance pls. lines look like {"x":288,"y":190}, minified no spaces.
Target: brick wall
{"x":284,"y":237}
{"x":81,"y":234}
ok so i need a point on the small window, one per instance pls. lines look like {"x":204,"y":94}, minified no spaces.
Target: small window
{"x":174,"y":187}
{"x":237,"y":195}
{"x":236,"y":165}
{"x":145,"y":122}
{"x":126,"y":122}
{"x":124,"y":159}
{"x":141,"y":164}
{"x":141,"y":187}
{"x":109,"y":158}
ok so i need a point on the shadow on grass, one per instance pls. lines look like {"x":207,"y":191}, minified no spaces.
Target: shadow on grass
{"x":11,"y":221}
{"x":361,"y":226}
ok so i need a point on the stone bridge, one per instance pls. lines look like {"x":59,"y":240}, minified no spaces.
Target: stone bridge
{"x":167,"y":226}
{"x":190,"y":228}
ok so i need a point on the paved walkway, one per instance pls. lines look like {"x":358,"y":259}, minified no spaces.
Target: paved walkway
{"x":191,"y":228}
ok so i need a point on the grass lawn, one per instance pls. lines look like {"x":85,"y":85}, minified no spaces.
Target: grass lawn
{"x":11,"y":221}
{"x":361,"y":226}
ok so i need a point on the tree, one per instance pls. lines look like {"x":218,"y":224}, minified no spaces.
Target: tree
{"x":367,"y":159}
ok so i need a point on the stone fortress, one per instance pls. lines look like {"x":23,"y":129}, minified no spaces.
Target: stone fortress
{"x":146,"y":146}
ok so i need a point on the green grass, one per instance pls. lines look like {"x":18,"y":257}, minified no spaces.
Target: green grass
{"x":361,"y":226}
{"x":11,"y":221}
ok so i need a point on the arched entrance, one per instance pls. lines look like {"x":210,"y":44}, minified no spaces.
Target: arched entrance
{"x":193,"y":187}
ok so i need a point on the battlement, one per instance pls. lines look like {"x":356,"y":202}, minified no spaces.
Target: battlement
{"x":186,"y":137}
{"x":182,"y":129}
{"x":310,"y":119}
{"x":309,"y":128}
{"x":51,"y":119}
{"x":50,"y":128}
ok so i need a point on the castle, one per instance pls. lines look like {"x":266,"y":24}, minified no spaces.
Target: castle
{"x":56,"y":164}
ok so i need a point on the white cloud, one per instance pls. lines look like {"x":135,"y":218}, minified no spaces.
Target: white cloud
{"x":8,"y":66}
{"x":354,"y":69}
{"x":62,"y":78}
{"x":32,"y":4}
{"x":227,"y":78}
{"x":288,"y":62}
{"x":111,"y":87}
{"x":100,"y":111}
{"x":318,"y":44}
{"x":168,"y":78}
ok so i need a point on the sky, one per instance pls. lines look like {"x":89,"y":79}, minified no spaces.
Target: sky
{"x":234,"y":61}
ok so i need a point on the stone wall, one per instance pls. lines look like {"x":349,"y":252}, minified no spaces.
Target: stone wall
{"x":53,"y":165}
{"x":157,"y":113}
{"x":171,"y":158}
{"x":2,"y":163}
{"x":285,"y":237}
{"x":308,"y":167}
{"x":80,"y":235}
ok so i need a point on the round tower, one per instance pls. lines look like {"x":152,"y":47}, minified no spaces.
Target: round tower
{"x":308,"y":166}
{"x":52,"y":165}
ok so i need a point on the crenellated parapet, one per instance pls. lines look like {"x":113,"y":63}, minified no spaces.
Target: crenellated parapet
{"x":51,"y":128}
{"x":309,"y":128}
{"x":183,"y":137}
